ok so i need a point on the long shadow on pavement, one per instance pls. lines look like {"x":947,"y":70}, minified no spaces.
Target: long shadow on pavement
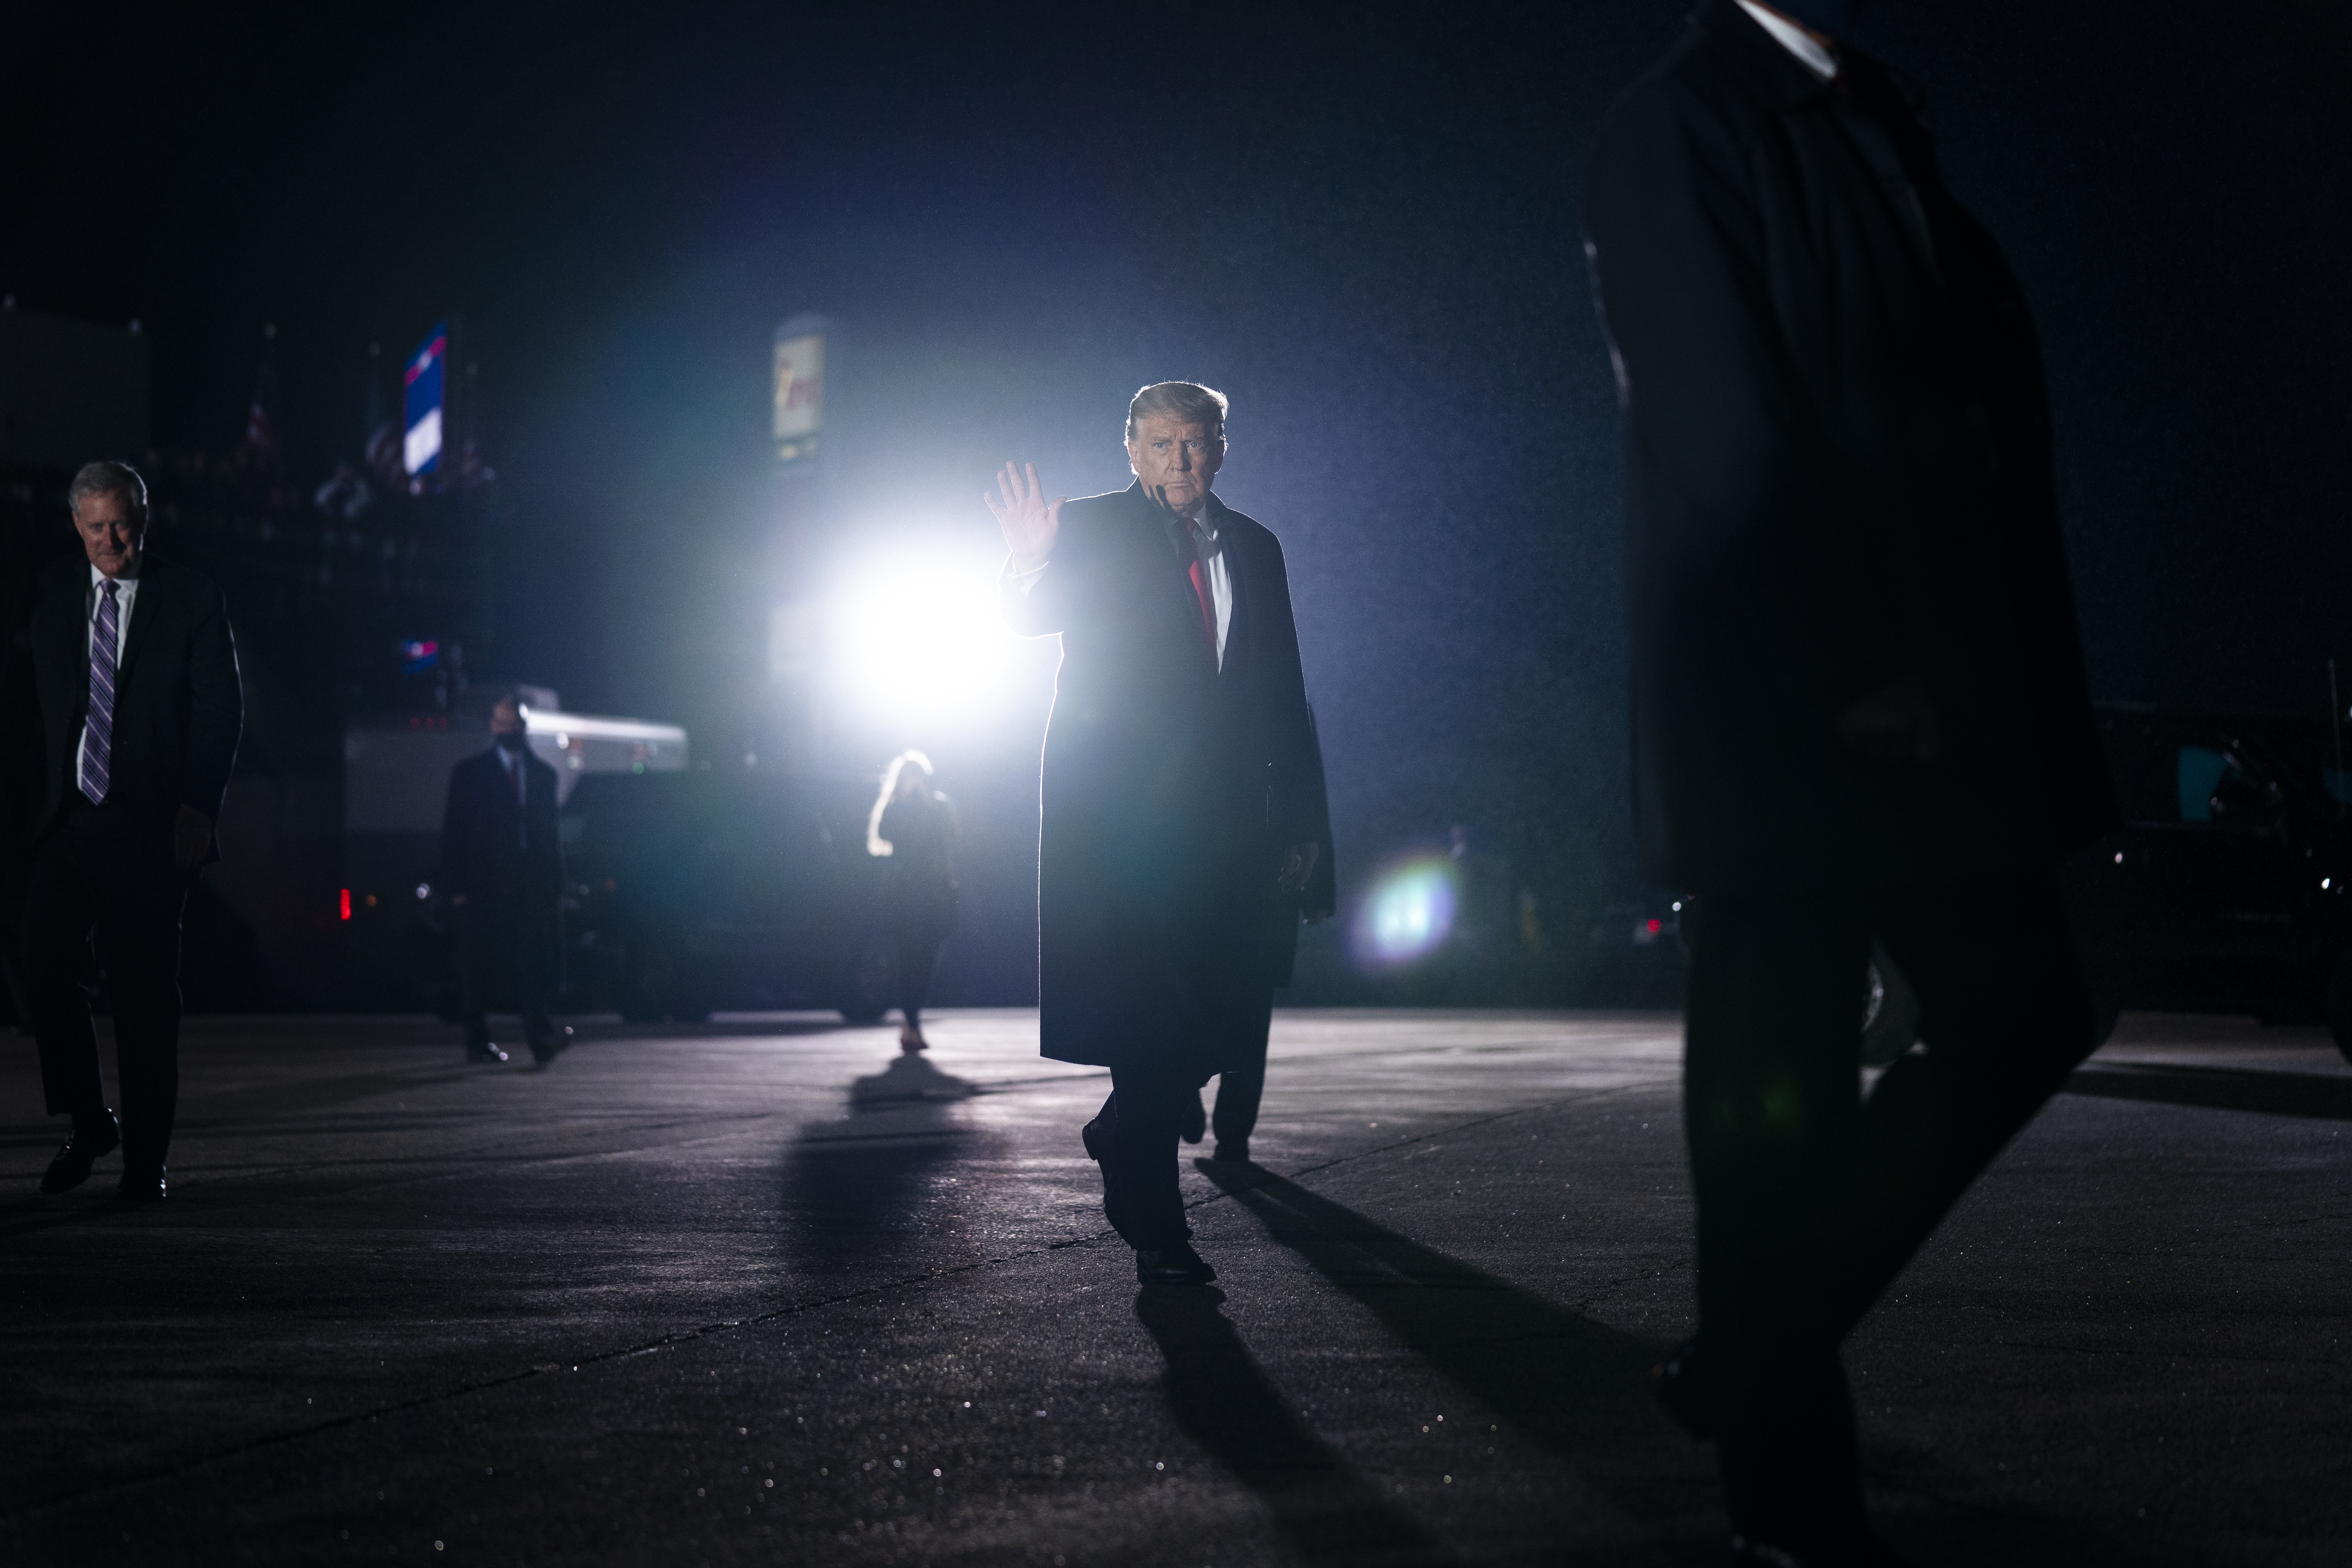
{"x":1224,"y":1402}
{"x":2219,"y":1089}
{"x":1576,"y":1386}
{"x":859,"y":1186}
{"x":1581,"y":1389}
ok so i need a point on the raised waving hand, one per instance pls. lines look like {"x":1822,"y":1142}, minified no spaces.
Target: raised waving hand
{"x":1030,"y":522}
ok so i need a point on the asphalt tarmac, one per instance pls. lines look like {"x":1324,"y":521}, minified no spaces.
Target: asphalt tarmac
{"x":757,"y":1291}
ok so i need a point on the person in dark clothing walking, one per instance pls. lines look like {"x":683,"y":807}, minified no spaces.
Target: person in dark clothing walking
{"x":915,"y":826}
{"x":503,"y":867}
{"x":1182,"y":803}
{"x":134,"y":674}
{"x":1859,"y":705}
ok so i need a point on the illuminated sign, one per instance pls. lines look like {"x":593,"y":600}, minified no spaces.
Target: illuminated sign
{"x":799,"y":388}
{"x":427,"y":382}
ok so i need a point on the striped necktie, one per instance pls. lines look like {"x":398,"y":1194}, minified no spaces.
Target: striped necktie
{"x":98,"y":747}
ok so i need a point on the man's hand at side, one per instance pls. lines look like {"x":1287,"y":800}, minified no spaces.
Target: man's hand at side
{"x":1896,"y":724}
{"x":192,"y":836}
{"x":1031,"y":523}
{"x":1297,"y":864}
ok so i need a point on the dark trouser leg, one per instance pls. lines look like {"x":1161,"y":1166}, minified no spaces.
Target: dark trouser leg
{"x":484,"y":942}
{"x":1243,"y":1084}
{"x":918,"y":953}
{"x":59,"y":914}
{"x":2007,"y":1016}
{"x":1136,"y":1133}
{"x":141,"y":901}
{"x":534,"y":960}
{"x":1772,"y":1103}
{"x":1811,"y":1204}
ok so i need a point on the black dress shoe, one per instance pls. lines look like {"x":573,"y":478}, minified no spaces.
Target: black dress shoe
{"x":1196,"y":1125}
{"x":83,"y":1146}
{"x":141,"y":1186}
{"x":1681,"y":1382}
{"x":484,"y":1052}
{"x":544,"y":1051}
{"x":1177,"y":1265}
{"x":1231,"y":1151}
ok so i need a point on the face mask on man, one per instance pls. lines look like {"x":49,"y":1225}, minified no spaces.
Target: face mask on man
{"x":510,"y":739}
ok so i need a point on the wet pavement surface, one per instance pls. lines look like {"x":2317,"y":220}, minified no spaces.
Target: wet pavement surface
{"x":761,"y":1291}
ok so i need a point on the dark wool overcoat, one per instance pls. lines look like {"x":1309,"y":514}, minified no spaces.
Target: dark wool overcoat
{"x":179,"y":706}
{"x":1169,"y":789}
{"x":1838,"y":472}
{"x":498,"y":849}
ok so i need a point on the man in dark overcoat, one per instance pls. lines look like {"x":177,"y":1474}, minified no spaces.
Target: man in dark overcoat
{"x":1183,"y":822}
{"x":503,"y":868}
{"x":1858,"y":706}
{"x":134,"y":671}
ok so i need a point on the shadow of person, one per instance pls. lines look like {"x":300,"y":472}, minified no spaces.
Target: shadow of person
{"x":868,"y":1188}
{"x":1223,"y":1401}
{"x":1573,"y":1385}
{"x":1580,"y":1389}
{"x":2326,"y":1096}
{"x":909,"y":1077}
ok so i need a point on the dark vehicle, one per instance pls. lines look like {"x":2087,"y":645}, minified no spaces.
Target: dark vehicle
{"x":2224,"y":892}
{"x":692,"y":891}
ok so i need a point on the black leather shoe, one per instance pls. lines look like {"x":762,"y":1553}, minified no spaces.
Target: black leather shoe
{"x":1196,"y":1125}
{"x":83,"y":1146}
{"x":1231,"y":1151}
{"x":141,"y":1186}
{"x":1177,"y":1265}
{"x":484,"y":1052}
{"x":1681,"y":1382}
{"x":544,"y":1051}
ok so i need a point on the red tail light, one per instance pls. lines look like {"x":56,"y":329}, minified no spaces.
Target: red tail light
{"x":347,"y":903}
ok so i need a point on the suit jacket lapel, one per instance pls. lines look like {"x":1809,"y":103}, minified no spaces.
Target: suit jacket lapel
{"x":1180,"y":577}
{"x":1239,"y":627}
{"x":152,"y":597}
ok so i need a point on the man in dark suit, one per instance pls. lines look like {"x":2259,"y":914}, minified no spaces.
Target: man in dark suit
{"x":135,"y":676}
{"x":502,"y":868}
{"x":1859,"y":706}
{"x":1183,"y":816}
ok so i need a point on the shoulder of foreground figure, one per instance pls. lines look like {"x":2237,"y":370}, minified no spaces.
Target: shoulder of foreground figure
{"x":1234,"y":516}
{"x":181,"y":582}
{"x":1696,"y":83}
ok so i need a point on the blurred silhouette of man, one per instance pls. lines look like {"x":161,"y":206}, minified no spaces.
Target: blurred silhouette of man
{"x":1182,"y":821}
{"x":1858,"y":706}
{"x":502,"y":868}
{"x":135,"y":676}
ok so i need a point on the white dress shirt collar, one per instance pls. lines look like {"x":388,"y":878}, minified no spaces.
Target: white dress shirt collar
{"x":1795,"y":40}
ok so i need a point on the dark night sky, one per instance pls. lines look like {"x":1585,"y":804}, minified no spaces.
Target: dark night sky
{"x":1359,"y":223}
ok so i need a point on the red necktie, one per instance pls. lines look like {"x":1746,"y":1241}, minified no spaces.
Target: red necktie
{"x":1208,"y":607}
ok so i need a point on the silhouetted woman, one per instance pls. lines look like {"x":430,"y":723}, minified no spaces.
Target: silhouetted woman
{"x":915,"y":826}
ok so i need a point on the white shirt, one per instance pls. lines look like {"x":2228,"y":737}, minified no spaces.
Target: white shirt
{"x":1208,"y":550}
{"x":126,"y":593}
{"x":1794,"y":39}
